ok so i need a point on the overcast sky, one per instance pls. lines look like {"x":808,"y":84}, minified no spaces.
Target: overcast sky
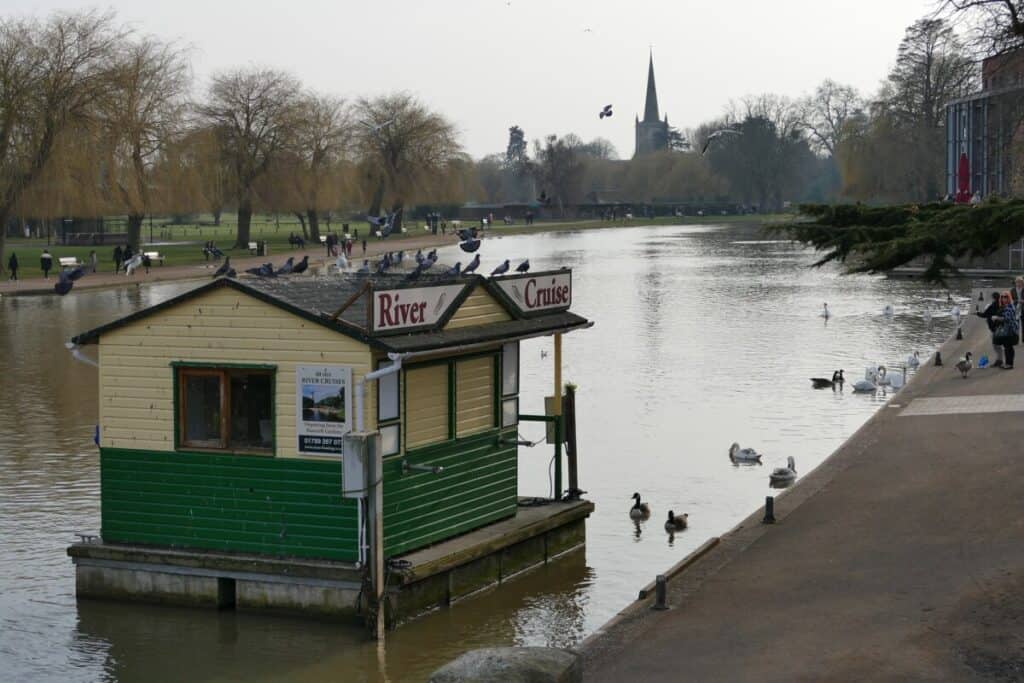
{"x":489,"y":64}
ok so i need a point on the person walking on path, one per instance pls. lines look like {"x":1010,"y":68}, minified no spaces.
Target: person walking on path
{"x":1007,"y":334}
{"x":12,"y":265}
{"x":118,"y":259}
{"x":364,"y":246}
{"x":993,"y":309}
{"x":93,"y":260}
{"x":46,"y":263}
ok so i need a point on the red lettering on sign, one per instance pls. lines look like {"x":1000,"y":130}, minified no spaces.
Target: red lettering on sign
{"x":391,"y":313}
{"x":546,"y":297}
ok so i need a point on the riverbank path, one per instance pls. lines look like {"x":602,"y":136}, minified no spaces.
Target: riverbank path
{"x":900,"y":558}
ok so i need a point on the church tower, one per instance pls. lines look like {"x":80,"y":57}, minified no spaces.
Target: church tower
{"x":651,"y":133}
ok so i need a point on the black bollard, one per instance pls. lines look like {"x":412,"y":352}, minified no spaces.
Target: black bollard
{"x":938,"y":359}
{"x":769,"y":510}
{"x":660,"y":593}
{"x":959,"y":333}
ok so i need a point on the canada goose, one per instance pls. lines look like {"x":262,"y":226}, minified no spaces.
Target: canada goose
{"x":676,"y":522}
{"x":965,"y":365}
{"x":639,"y":510}
{"x":825,"y":313}
{"x":822,"y":383}
{"x":743,"y":454}
{"x":914,"y":361}
{"x":784,"y":475}
{"x":889,"y":310}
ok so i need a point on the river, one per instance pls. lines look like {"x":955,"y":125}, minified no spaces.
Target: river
{"x":704,"y":335}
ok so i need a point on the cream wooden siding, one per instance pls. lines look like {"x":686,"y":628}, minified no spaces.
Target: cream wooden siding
{"x":479,"y":308}
{"x":221,"y":326}
{"x":474,"y":396}
{"x":426,"y":405}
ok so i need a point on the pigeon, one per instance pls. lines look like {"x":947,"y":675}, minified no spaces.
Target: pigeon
{"x":401,"y":256}
{"x":465,"y":234}
{"x":454,"y":270}
{"x":716,"y":135}
{"x":523,"y":267}
{"x":419,"y":256}
{"x":301,"y":266}
{"x":231,"y":273}
{"x":224,"y":268}
{"x":265,"y":270}
{"x":469,"y":246}
{"x":286,"y":268}
{"x":503,"y":268}
{"x":607,"y":111}
{"x":473,"y":265}
{"x":76,"y":274}
{"x":965,"y":365}
{"x":432,"y":255}
{"x":365,"y":270}
{"x":63,"y":284}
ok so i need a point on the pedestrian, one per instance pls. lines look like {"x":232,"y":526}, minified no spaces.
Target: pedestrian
{"x":1007,"y":334}
{"x":46,"y":263}
{"x":329,"y":242}
{"x":364,"y":245}
{"x":127,"y":253}
{"x":93,"y":260}
{"x":993,"y":309}
{"x":146,"y":262}
{"x":12,"y":265}
{"x":118,"y":259}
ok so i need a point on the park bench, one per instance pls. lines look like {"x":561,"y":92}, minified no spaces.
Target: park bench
{"x":154,"y":256}
{"x":253,"y":247}
{"x":68,"y":262}
{"x":323,"y":239}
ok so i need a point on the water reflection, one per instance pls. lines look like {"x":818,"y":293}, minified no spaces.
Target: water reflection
{"x":703,"y":337}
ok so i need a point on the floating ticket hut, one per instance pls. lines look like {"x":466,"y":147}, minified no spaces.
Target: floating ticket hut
{"x":317,"y":445}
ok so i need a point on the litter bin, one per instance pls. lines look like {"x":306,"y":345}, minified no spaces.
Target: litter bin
{"x":262,"y":248}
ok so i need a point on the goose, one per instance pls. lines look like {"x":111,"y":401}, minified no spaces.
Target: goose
{"x":889,"y":310}
{"x":914,"y":361}
{"x":822,"y":383}
{"x":784,"y":475}
{"x":825,"y":313}
{"x":965,"y":365}
{"x":639,"y":510}
{"x":743,"y":454}
{"x":675,"y":522}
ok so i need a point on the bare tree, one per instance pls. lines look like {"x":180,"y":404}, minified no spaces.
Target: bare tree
{"x":826,"y":113}
{"x":558,"y":169}
{"x":254,"y":112}
{"x":995,"y":26}
{"x":323,"y":135}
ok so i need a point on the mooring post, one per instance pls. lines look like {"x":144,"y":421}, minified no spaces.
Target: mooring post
{"x":938,"y":359}
{"x":557,"y":411}
{"x":769,"y":510}
{"x":570,"y":442}
{"x":959,"y":332}
{"x":660,"y":592}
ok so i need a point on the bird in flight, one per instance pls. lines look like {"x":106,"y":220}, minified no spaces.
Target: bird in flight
{"x":380,"y":126}
{"x":717,"y":135}
{"x":607,"y":111}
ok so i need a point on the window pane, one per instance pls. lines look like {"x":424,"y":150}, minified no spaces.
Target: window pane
{"x":510,"y":369}
{"x":387,"y":395}
{"x":510,"y":412}
{"x":389,"y":441}
{"x":251,"y":417}
{"x":202,"y":410}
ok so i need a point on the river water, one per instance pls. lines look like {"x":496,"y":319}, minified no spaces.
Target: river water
{"x":704,"y":335}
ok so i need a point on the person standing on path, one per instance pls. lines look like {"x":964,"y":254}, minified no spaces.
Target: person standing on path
{"x":1007,"y":334}
{"x":12,"y":265}
{"x":93,"y":260}
{"x":46,"y":263}
{"x":118,"y":256}
{"x":364,"y":246}
{"x":993,"y":309}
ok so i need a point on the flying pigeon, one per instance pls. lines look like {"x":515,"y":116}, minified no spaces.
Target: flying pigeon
{"x":454,"y":270}
{"x":607,"y":111}
{"x":465,"y":234}
{"x":469,"y":246}
{"x":523,"y":267}
{"x":64,"y":284}
{"x":473,"y":265}
{"x":500,"y":270}
{"x":224,"y":268}
{"x":376,"y":129}
{"x":301,"y":266}
{"x":286,"y":268}
{"x":716,"y":135}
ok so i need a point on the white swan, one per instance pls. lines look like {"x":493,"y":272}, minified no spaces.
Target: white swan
{"x":825,"y":313}
{"x":882,"y":378}
{"x":784,"y":475}
{"x":914,"y":361}
{"x":865,"y":386}
{"x":743,"y":454}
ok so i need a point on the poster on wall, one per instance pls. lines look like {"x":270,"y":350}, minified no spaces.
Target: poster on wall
{"x":324,"y":404}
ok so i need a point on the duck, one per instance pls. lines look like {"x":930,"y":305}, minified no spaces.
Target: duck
{"x":743,"y":454}
{"x":825,"y":313}
{"x":914,"y":361}
{"x":639,"y":510}
{"x":889,"y":310}
{"x":676,"y":522}
{"x":965,"y":365}
{"x":784,"y":475}
{"x":822,"y":383}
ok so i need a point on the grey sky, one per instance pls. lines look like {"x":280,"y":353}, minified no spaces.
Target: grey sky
{"x":489,"y":64}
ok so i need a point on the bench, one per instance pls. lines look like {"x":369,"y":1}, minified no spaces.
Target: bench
{"x":154,"y":256}
{"x":253,"y":248}
{"x":323,"y":239}
{"x":68,"y":262}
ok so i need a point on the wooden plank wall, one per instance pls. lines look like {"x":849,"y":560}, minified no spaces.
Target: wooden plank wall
{"x":474,"y":395}
{"x":479,"y":308}
{"x":426,"y":407}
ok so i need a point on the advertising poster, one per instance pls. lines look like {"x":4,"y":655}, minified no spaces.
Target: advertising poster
{"x":324,"y":404}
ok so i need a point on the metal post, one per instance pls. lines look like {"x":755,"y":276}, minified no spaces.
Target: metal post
{"x":660,"y":593}
{"x":570,"y":442}
{"x":769,"y":510}
{"x":375,"y":504}
{"x":557,"y":412}
{"x":558,"y":457}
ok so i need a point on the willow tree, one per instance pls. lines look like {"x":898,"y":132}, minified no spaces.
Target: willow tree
{"x":402,"y":144}
{"x":254,"y":113}
{"x":321,"y":143}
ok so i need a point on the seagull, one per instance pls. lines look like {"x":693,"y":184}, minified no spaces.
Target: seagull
{"x":716,"y":135}
{"x":607,"y":111}
{"x":286,"y":268}
{"x":965,"y":365}
{"x":224,"y":268}
{"x":523,"y":267}
{"x":76,"y":353}
{"x":473,"y":265}
{"x":301,"y":266}
{"x":500,"y":270}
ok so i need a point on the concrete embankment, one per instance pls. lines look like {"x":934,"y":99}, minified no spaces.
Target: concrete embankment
{"x":901,"y":557}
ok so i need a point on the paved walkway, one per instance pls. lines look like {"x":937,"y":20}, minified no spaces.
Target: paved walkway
{"x":205,"y":270}
{"x":900,"y":558}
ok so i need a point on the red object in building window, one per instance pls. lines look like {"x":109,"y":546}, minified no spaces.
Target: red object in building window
{"x":963,"y":180}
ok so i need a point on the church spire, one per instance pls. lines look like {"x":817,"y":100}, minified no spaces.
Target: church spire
{"x":651,"y":105}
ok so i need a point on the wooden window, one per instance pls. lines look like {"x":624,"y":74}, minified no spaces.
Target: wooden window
{"x":226,"y":409}
{"x":426,"y":405}
{"x":474,"y":395}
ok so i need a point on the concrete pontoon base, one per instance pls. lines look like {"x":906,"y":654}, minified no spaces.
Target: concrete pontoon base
{"x":435,"y":577}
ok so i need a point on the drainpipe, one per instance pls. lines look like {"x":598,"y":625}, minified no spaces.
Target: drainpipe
{"x":396,"y":365}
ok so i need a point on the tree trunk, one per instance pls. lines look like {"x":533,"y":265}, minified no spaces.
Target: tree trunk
{"x":302,"y":222}
{"x":5,"y":213}
{"x":378,"y":197}
{"x":244,"y":223}
{"x":216,"y":216}
{"x":135,"y":231}
{"x":398,"y":208}
{"x":314,"y":225}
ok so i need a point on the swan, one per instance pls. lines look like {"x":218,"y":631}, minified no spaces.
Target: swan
{"x":864,"y":386}
{"x":743,"y":454}
{"x":822,"y":383}
{"x":825,"y":313}
{"x":675,"y":522}
{"x":914,"y":361}
{"x":639,"y":510}
{"x":882,"y":378}
{"x":784,"y":475}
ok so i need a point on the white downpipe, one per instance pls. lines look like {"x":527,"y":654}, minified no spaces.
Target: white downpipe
{"x":396,"y":365}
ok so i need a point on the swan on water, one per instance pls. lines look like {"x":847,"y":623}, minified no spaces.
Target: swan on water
{"x":738,"y":454}
{"x":639,"y":510}
{"x":675,"y":522}
{"x":825,"y":313}
{"x":784,"y":475}
{"x":914,"y":361}
{"x":867,"y":385}
{"x":822,"y":383}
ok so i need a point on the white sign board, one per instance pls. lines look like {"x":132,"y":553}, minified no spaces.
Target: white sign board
{"x":411,"y":307}
{"x":543,"y":292}
{"x":323,"y":400}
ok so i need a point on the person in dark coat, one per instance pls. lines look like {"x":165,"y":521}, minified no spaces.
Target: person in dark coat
{"x":1007,"y":332}
{"x":993,"y":310}
{"x":46,"y":263}
{"x":118,"y":258}
{"x":12,"y":265}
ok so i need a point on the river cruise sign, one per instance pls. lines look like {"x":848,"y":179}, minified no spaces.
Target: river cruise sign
{"x":538,"y":293}
{"x":323,"y":400}
{"x":407,"y":309}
